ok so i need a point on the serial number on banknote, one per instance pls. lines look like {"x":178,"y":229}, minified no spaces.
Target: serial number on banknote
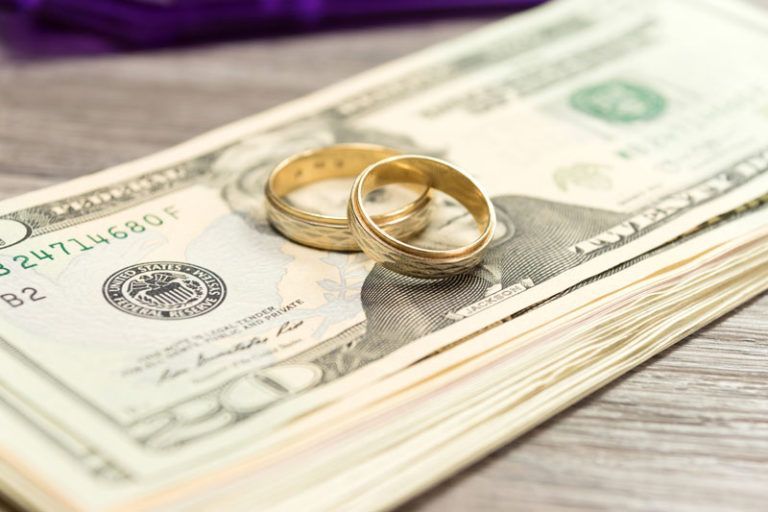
{"x":66,"y":248}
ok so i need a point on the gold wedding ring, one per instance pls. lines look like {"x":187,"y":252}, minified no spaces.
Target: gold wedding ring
{"x":401,"y":257}
{"x":326,"y":231}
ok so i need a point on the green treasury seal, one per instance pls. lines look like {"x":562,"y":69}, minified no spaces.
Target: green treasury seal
{"x":618,"y":101}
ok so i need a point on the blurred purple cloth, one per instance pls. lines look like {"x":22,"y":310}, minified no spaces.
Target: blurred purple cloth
{"x":162,"y":22}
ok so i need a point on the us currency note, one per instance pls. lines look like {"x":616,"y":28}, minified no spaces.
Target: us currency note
{"x":163,"y":320}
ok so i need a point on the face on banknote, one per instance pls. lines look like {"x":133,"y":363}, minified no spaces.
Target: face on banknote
{"x":162,"y":316}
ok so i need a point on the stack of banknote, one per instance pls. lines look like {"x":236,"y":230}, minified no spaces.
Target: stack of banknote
{"x":162,"y":348}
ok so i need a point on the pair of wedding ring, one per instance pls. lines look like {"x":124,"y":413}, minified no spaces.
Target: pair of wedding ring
{"x":382,"y":237}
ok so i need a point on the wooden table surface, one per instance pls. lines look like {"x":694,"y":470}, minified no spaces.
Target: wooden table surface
{"x":686,"y":431}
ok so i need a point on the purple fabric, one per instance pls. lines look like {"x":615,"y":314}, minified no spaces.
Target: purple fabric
{"x":162,"y":22}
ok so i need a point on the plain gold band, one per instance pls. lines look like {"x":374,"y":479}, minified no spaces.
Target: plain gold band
{"x":399,"y":256}
{"x":326,"y":231}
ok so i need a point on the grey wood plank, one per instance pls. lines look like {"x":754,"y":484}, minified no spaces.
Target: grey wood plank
{"x":73,"y":116}
{"x":686,"y":431}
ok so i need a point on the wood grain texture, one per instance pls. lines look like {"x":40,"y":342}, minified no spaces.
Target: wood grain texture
{"x":686,"y":431}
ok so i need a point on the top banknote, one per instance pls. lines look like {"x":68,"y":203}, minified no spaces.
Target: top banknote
{"x":156,"y":318}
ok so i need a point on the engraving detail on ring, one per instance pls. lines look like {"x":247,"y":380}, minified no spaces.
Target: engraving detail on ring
{"x":398,"y":256}
{"x":339,"y":237}
{"x":326,"y":231}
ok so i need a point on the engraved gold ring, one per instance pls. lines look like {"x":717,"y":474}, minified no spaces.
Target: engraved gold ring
{"x":399,"y":256}
{"x":326,"y":231}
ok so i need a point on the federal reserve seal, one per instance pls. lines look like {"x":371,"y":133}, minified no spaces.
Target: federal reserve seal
{"x":619,"y":101}
{"x":166,"y":290}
